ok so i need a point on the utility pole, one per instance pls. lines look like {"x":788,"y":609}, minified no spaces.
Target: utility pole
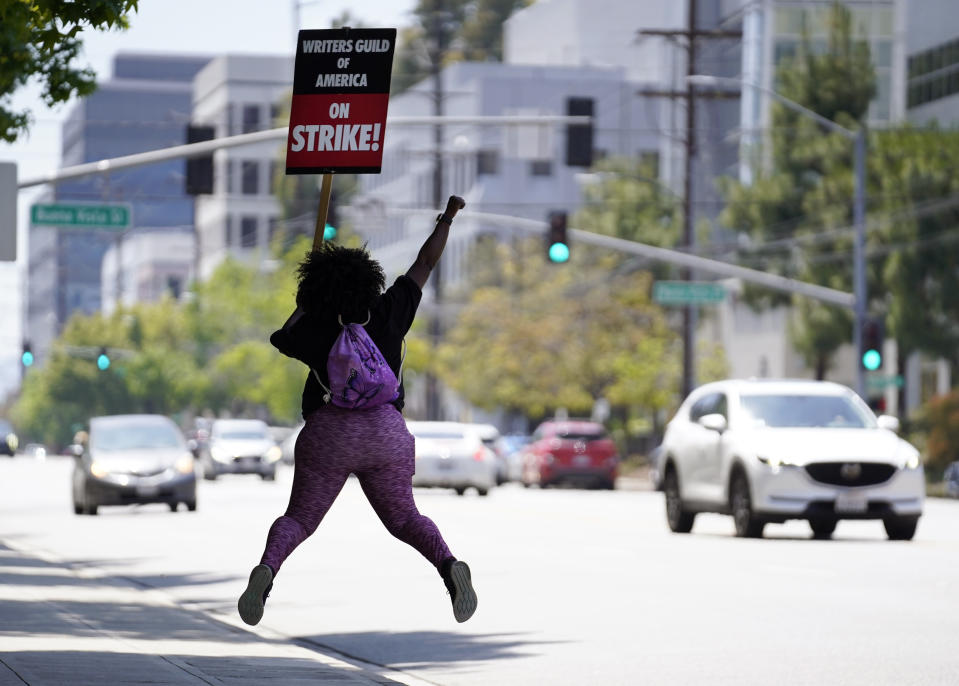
{"x":434,"y":409}
{"x":690,"y":36}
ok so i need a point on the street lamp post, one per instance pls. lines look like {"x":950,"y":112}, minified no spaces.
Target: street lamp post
{"x":858,"y":137}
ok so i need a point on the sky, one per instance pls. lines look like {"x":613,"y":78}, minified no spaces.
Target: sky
{"x":173,"y":26}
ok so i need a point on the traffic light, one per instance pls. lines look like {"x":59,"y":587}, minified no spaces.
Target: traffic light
{"x":557,"y":245}
{"x":199,"y":170}
{"x":870,"y":353}
{"x":26,"y":357}
{"x":329,"y":232}
{"x":103,"y":360}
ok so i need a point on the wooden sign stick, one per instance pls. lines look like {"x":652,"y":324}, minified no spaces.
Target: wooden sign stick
{"x":323,"y":210}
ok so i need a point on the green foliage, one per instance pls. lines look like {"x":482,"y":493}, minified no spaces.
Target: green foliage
{"x":42,"y":39}
{"x":938,"y":424}
{"x":560,"y":336}
{"x":211,"y":355}
{"x":793,"y":214}
{"x":914,"y":267}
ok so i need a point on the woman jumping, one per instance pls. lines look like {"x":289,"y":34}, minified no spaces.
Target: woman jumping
{"x":338,"y":286}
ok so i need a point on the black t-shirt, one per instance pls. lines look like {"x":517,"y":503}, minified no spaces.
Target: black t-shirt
{"x":310,"y":338}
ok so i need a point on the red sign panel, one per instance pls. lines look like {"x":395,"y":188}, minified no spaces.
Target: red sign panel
{"x":341,"y":90}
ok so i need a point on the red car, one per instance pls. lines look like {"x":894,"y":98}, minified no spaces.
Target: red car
{"x":573,"y":451}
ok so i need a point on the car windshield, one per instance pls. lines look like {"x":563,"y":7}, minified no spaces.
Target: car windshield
{"x":116,"y":436}
{"x":804,"y":411}
{"x":5,"y":427}
{"x":245,"y":435}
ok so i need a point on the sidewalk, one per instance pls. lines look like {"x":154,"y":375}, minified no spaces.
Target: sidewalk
{"x":64,"y":625}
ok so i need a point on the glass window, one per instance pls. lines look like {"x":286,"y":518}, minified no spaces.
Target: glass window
{"x":805,"y":411}
{"x":789,"y":20}
{"x":273,"y":223}
{"x":703,"y":406}
{"x":134,"y":434}
{"x":541,"y":168}
{"x":884,"y":53}
{"x":248,"y":232}
{"x":487,"y":162}
{"x":250,"y":177}
{"x":785,"y":49}
{"x":251,"y":118}
{"x":228,"y":231}
{"x":885,"y":20}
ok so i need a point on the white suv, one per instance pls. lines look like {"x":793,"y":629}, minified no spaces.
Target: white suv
{"x":767,"y":451}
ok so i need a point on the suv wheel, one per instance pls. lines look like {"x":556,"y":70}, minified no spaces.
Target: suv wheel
{"x":741,"y":504}
{"x":680,"y":521}
{"x":900,"y":528}
{"x":822,"y":527}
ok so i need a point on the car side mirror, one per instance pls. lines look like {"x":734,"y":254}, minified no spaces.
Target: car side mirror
{"x":76,"y":449}
{"x":713,"y":422}
{"x":887,"y":421}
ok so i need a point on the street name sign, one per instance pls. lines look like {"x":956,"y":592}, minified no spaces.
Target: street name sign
{"x":112,"y":216}
{"x":878,"y":382}
{"x":341,"y":91}
{"x":688,"y":293}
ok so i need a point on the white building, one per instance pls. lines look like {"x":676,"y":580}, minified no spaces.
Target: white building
{"x":240,"y":94}
{"x":502,"y":169}
{"x":152,"y":264}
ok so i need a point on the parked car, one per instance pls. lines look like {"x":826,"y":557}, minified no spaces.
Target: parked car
{"x":769,"y":451}
{"x":8,"y":439}
{"x":451,"y":455}
{"x":576,"y":452}
{"x":240,"y":446}
{"x":490,"y":435}
{"x":951,"y":477}
{"x":511,"y":447}
{"x":132,"y":459}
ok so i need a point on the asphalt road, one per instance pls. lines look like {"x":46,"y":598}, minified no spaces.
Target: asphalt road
{"x":575,"y":587}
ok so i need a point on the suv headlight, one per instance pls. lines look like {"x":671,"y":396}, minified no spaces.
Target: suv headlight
{"x":273,"y":454}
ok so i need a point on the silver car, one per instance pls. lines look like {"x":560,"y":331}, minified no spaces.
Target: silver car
{"x":240,"y":446}
{"x":768,"y":451}
{"x":132,"y":459}
{"x":452,"y":455}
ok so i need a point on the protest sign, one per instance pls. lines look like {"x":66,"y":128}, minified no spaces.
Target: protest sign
{"x":341,"y":90}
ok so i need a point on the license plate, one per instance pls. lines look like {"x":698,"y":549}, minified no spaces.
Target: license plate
{"x":851,"y":501}
{"x":444,"y":465}
{"x":581,"y":461}
{"x":147,"y":491}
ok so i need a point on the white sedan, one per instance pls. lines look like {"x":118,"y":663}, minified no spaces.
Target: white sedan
{"x":767,"y":451}
{"x":452,"y":455}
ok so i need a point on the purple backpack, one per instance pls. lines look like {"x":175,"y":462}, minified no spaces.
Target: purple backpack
{"x":359,"y":376}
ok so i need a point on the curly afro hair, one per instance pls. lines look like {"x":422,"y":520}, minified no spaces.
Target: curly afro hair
{"x":338,"y":280}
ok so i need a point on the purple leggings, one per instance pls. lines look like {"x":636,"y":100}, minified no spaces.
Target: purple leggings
{"x":376,"y":446}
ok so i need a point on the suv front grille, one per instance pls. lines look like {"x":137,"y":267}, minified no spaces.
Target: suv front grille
{"x":850,"y":473}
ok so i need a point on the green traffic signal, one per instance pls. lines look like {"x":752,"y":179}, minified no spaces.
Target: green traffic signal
{"x":871,"y":360}
{"x":558,"y":252}
{"x":103,"y":360}
{"x":27,"y":358}
{"x":329,"y":232}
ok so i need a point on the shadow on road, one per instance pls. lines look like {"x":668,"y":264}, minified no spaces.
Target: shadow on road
{"x":426,"y":649}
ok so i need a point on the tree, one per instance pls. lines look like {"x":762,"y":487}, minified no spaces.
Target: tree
{"x":211,"y":355}
{"x":549,"y":337}
{"x":793,"y":211}
{"x":446,"y":31}
{"x":42,"y":39}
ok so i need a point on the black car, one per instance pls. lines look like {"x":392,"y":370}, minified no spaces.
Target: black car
{"x":133,"y":459}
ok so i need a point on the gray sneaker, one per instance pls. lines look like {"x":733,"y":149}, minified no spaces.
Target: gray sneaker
{"x":460,"y":585}
{"x":254,"y":597}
